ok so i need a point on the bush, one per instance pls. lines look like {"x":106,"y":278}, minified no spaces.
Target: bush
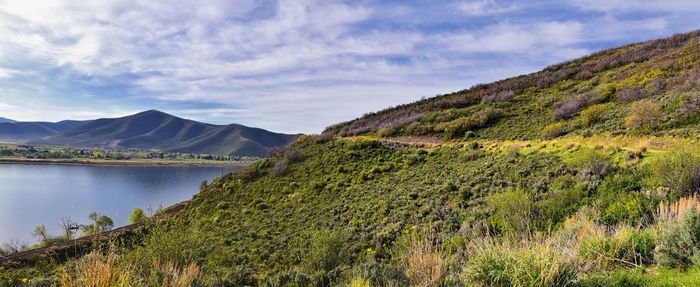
{"x":510,"y":211}
{"x":679,"y":171}
{"x":327,"y":251}
{"x":594,"y":114}
{"x":458,"y":127}
{"x":630,"y":94}
{"x":679,"y":241}
{"x":502,"y":96}
{"x":619,"y":200}
{"x":553,"y":130}
{"x":643,"y":114}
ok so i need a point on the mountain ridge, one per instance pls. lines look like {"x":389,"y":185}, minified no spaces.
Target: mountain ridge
{"x":150,"y":129}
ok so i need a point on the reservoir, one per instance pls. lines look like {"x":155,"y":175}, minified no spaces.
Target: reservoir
{"x":34,"y":194}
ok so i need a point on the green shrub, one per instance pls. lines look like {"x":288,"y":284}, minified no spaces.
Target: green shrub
{"x":677,"y":170}
{"x":619,"y":200}
{"x":594,"y":114}
{"x":510,"y":211}
{"x":553,"y":130}
{"x":679,"y":241}
{"x":326,"y":253}
{"x":477,"y":120}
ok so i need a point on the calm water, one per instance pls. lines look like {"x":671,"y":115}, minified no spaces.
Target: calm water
{"x":33,"y":194}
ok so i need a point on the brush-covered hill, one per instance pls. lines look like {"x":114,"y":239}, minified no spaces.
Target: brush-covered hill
{"x":649,"y":87}
{"x":19,"y":132}
{"x":157,"y":130}
{"x":584,"y":174}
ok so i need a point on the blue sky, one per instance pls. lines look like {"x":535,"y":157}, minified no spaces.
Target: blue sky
{"x":293,"y":65}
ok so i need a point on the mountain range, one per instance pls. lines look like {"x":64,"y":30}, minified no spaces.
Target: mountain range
{"x":6,"y":120}
{"x":148,"y":130}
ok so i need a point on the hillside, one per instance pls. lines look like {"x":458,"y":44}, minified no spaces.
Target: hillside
{"x":158,"y":130}
{"x":584,"y":174}
{"x":19,"y":132}
{"x":648,"y":88}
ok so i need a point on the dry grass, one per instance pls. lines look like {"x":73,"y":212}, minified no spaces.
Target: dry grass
{"x":179,"y":277}
{"x":96,"y":270}
{"x":424,"y":260}
{"x":99,"y":269}
{"x":676,"y":210}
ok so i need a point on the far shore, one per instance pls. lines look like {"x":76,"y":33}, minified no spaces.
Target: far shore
{"x":129,"y":162}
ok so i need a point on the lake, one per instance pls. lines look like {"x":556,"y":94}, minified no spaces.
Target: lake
{"x":34,"y":194}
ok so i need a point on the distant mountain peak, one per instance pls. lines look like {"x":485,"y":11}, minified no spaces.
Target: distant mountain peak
{"x":6,"y":120}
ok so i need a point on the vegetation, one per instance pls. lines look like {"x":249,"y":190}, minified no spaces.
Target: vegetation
{"x":544,"y":186}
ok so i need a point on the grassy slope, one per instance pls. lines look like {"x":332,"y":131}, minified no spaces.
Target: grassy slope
{"x":666,"y":71}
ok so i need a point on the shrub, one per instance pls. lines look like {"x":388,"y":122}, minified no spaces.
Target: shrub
{"x":679,"y":241}
{"x":327,"y":251}
{"x":643,"y":114}
{"x":279,"y":168}
{"x":619,"y":200}
{"x":502,"y":96}
{"x":679,"y":171}
{"x":594,"y":114}
{"x":458,"y":127}
{"x":592,"y":167}
{"x":630,"y":94}
{"x":510,"y":211}
{"x":571,"y":105}
{"x":553,"y":130}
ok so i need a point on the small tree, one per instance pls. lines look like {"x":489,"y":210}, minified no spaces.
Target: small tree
{"x":67,"y":226}
{"x":101,"y":223}
{"x":137,"y":215}
{"x":41,"y":233}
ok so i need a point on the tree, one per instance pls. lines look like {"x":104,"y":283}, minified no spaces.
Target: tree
{"x":40,"y":232}
{"x":101,"y":223}
{"x":137,"y":215}
{"x":68,"y":227}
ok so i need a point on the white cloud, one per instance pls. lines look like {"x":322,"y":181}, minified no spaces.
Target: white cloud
{"x":628,"y":6}
{"x":484,"y":7}
{"x":295,"y":66}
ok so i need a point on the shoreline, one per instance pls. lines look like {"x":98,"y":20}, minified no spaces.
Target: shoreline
{"x":123,"y":162}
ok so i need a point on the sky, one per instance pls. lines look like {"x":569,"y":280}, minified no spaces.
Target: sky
{"x":293,"y":65}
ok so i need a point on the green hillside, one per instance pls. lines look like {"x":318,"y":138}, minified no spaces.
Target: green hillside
{"x":584,"y":174}
{"x":649,"y":88}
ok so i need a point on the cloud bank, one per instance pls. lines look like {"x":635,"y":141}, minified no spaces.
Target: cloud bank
{"x":291,"y":65}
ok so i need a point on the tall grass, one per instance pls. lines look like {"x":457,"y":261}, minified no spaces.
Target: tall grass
{"x":527,"y":263}
{"x":423,"y":259}
{"x":105,"y":269}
